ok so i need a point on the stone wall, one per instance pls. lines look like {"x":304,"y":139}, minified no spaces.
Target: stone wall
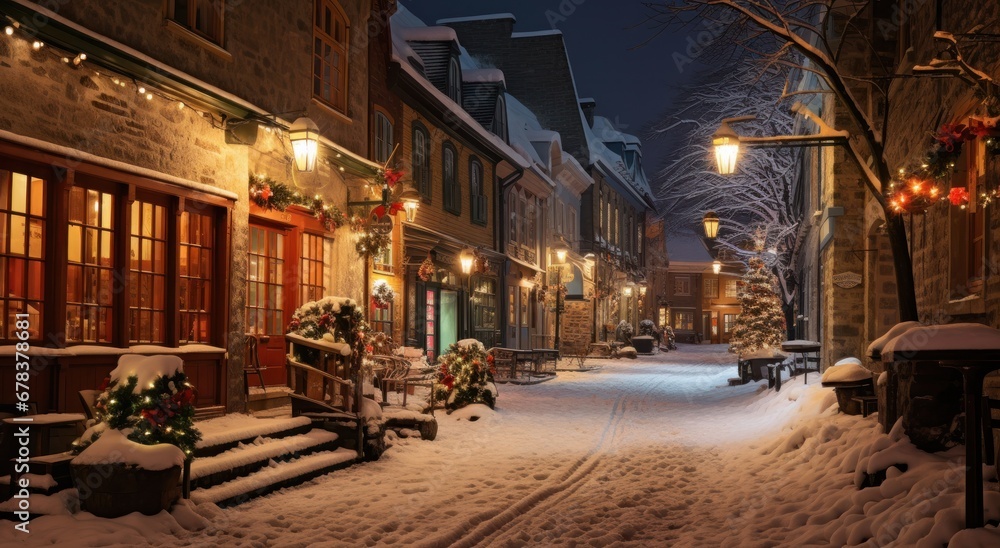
{"x":576,"y":323}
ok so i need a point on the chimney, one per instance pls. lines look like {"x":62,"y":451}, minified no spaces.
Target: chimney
{"x":587,"y":105}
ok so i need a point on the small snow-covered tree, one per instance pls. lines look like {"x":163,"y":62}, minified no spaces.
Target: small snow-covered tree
{"x":761,"y":323}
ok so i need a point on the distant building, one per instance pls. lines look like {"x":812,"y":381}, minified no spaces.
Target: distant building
{"x":700,"y":305}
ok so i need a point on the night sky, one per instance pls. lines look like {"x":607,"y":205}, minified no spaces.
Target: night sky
{"x":633,"y":86}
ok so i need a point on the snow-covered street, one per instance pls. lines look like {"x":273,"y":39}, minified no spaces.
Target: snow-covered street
{"x":657,"y":451}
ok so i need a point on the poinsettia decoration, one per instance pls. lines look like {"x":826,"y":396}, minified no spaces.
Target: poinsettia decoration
{"x":958,"y":196}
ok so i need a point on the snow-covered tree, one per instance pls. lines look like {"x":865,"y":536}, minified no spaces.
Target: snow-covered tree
{"x":757,"y":200}
{"x":814,"y":36}
{"x":761,"y":323}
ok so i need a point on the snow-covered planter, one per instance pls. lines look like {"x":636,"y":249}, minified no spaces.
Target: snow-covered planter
{"x":466,"y":374}
{"x":131,"y":459}
{"x":850,"y":380}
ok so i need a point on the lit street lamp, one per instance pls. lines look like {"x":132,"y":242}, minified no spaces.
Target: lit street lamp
{"x":711,"y":222}
{"x":716,"y":266}
{"x":304,"y":134}
{"x":727,"y":145}
{"x":465,"y":258}
{"x":561,"y":257}
{"x":411,"y":201}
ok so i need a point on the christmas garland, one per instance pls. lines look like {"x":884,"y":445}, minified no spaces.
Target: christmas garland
{"x":466,"y":373}
{"x":329,"y":319}
{"x":269,"y":194}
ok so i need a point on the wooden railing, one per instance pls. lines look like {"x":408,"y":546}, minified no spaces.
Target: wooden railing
{"x":328,"y":381}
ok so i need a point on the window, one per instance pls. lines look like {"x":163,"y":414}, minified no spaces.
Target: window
{"x":571,"y":226}
{"x":312,"y":275}
{"x":449,"y":180}
{"x":512,"y":217}
{"x":455,"y":81}
{"x":265,"y":262}
{"x":484,"y":311}
{"x":22,"y":267}
{"x":728,"y":321}
{"x":90,"y":266}
{"x":532,"y":240}
{"x":421,"y":161}
{"x":522,"y":214}
{"x":330,"y":39}
{"x":967,"y":249}
{"x":682,"y":285}
{"x":383,"y":261}
{"x":500,"y":118}
{"x":382,"y":319}
{"x":732,"y":289}
{"x":147,"y":273}
{"x":383,"y":138}
{"x":711,"y":287}
{"x":684,"y":319}
{"x":663,"y":316}
{"x":202,"y":17}
{"x":476,"y":195}
{"x":197,"y":243}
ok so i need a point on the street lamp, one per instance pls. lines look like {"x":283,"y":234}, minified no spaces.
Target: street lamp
{"x":727,"y":146}
{"x":411,"y":201}
{"x":627,"y":289}
{"x":465,"y":258}
{"x":716,"y":266}
{"x":561,"y":253}
{"x":711,"y":222}
{"x":304,"y":134}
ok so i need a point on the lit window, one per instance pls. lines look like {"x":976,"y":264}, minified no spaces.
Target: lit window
{"x":313,"y":275}
{"x":22,"y":267}
{"x":682,"y":285}
{"x":265,"y":262}
{"x":732,"y":289}
{"x":147,"y":273}
{"x":711,"y":287}
{"x":90,"y":269}
{"x":330,"y":40}
{"x":684,"y":320}
{"x":197,"y":244}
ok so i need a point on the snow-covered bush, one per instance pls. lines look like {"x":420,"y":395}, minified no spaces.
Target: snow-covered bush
{"x":466,"y":373}
{"x":624,"y":332}
{"x":648,"y":327}
{"x":149,"y":400}
{"x":330,"y":319}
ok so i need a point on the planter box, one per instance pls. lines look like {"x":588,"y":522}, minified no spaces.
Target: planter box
{"x":115,"y":490}
{"x":643,"y":344}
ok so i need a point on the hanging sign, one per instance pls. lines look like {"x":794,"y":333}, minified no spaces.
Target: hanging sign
{"x":380,"y":225}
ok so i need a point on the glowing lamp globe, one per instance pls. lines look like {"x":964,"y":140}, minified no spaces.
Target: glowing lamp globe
{"x":711,"y":222}
{"x":304,"y":134}
{"x":727,"y":148}
{"x":465,"y":259}
{"x":716,"y":267}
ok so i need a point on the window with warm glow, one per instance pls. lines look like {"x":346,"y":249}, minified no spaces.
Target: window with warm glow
{"x":147,"y":273}
{"x":382,"y":262}
{"x":684,"y":320}
{"x":732,"y":289}
{"x":728,"y":321}
{"x":711,"y":287}
{"x":22,"y":245}
{"x":202,"y":17}
{"x":90,"y":275}
{"x":330,"y":42}
{"x":967,"y":231}
{"x":382,"y":319}
{"x":197,"y":253}
{"x":265,"y":262}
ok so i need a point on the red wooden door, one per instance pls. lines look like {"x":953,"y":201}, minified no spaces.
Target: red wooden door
{"x":268,"y":257}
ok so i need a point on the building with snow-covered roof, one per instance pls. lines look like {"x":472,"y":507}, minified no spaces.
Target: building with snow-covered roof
{"x":612,"y":211}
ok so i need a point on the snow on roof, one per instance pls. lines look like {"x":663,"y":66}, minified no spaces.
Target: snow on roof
{"x":587,"y":100}
{"x":552,"y":32}
{"x":488,"y":17}
{"x":687,"y":247}
{"x":483,"y":75}
{"x":429,"y":34}
{"x":605,"y":132}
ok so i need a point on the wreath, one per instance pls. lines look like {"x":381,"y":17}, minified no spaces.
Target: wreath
{"x":426,"y":270}
{"x":382,"y":294}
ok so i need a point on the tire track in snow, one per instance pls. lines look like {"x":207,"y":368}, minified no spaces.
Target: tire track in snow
{"x":544,"y":509}
{"x":479,"y":528}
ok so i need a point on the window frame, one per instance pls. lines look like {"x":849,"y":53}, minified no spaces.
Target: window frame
{"x":499,"y":125}
{"x":454,"y":86}
{"x":710,"y":288}
{"x":478,"y":206}
{"x":679,"y":282}
{"x":451,"y":190}
{"x":341,"y":48}
{"x":218,"y":7}
{"x":7,"y":312}
{"x":422,"y":173}
{"x":381,"y":146}
{"x":677,"y":317}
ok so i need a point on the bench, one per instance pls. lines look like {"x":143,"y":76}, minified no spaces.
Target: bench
{"x":853,"y":397}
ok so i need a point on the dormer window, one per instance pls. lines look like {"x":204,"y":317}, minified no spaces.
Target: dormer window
{"x":455,"y":81}
{"x":500,"y":118}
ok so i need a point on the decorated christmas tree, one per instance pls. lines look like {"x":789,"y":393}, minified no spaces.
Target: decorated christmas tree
{"x":466,"y":373}
{"x":761,"y":323}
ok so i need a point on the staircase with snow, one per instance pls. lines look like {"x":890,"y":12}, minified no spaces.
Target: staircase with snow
{"x":240,"y":457}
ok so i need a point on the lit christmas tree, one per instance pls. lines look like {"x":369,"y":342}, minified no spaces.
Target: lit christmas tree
{"x":761,"y":323}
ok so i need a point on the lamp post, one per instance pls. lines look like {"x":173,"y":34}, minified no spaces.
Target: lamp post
{"x":411,"y":201}
{"x":716,"y":266}
{"x":465,"y":259}
{"x":561,"y":257}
